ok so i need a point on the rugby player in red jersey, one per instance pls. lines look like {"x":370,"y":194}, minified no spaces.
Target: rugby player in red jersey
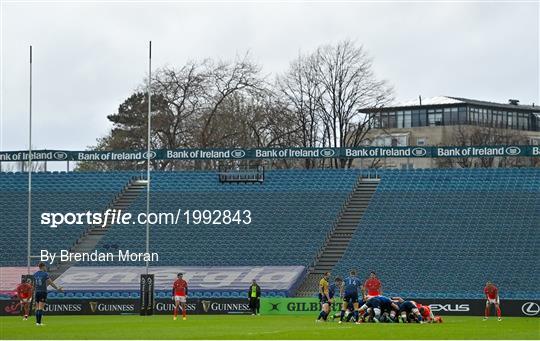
{"x":24,"y":294}
{"x":180,"y":290}
{"x":373,"y":287}
{"x":492,"y":297}
{"x":425,"y":311}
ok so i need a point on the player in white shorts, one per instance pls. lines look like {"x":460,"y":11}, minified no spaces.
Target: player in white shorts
{"x":180,"y":290}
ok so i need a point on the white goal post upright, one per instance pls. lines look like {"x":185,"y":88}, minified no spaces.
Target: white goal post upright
{"x":29,"y":232}
{"x":148,"y":151}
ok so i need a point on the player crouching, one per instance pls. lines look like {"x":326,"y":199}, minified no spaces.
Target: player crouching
{"x":492,"y":297}
{"x":408,"y":311}
{"x":24,"y":294}
{"x":427,"y":314}
{"x":378,"y":309}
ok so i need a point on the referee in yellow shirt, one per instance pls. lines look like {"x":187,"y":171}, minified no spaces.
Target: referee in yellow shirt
{"x":324,"y":297}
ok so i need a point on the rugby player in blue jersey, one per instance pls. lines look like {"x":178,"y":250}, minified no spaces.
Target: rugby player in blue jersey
{"x":334,"y":290}
{"x":350,"y":288}
{"x":379,"y":308}
{"x":41,"y":281}
{"x":408,"y":309}
{"x":388,"y":309}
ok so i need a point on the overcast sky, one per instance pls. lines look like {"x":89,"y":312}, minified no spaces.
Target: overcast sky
{"x":88,"y":57}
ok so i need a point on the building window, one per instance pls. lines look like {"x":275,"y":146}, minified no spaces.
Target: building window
{"x":423,"y":118}
{"x":482,"y":117}
{"x":488,"y":117}
{"x":462,"y":112}
{"x":376,"y":121}
{"x":447,"y":116}
{"x":535,"y":121}
{"x":407,"y":119}
{"x":498,"y":119}
{"x":450,"y":116}
{"x":402,"y":140}
{"x":399,"y":119}
{"x":383,"y":120}
{"x":415,"y":118}
{"x":392,"y":120}
{"x":434,"y":117}
{"x":391,"y":140}
{"x":475,"y":116}
{"x":512,"y":120}
{"x":421,"y":141}
{"x":523,"y":122}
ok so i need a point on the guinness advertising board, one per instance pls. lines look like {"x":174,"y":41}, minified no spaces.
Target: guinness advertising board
{"x":129,"y":306}
{"x":269,"y":306}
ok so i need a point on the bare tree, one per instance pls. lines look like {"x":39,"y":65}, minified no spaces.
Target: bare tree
{"x":327,"y":88}
{"x":229,"y":104}
{"x":224,"y":80}
{"x":186,"y":103}
{"x":301,"y":91}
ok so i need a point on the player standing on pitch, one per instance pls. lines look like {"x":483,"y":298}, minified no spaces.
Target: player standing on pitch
{"x":24,"y":294}
{"x":492,"y":297}
{"x":324,"y":297}
{"x":42,"y":280}
{"x":350,"y":294}
{"x":180,"y":290}
{"x":372,"y":285}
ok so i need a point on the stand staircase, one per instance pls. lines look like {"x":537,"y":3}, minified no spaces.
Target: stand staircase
{"x":339,"y":238}
{"x":92,"y":236}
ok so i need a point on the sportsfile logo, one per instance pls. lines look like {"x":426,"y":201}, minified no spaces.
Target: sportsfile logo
{"x":450,"y":307}
{"x":530,"y":308}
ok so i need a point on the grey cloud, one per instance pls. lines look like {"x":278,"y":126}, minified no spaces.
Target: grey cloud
{"x":88,"y":58}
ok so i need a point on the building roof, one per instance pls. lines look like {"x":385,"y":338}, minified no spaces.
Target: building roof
{"x":448,"y":100}
{"x":439,"y":100}
{"x":499,"y":105}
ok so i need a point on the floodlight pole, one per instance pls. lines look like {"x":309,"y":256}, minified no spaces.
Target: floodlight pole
{"x":148,"y":153}
{"x":29,"y":233}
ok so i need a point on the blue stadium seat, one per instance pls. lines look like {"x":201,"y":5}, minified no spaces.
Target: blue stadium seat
{"x":433,"y":226}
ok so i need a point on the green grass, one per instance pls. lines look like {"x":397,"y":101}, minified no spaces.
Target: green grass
{"x":259,"y":327}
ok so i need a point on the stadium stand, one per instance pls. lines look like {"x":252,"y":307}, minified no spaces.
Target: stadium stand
{"x":291,"y":214}
{"x":427,"y":233}
{"x":51,"y":192}
{"x":444,"y":233}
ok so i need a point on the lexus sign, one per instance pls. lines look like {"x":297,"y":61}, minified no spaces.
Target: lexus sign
{"x":449,"y":307}
{"x":530,"y":309}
